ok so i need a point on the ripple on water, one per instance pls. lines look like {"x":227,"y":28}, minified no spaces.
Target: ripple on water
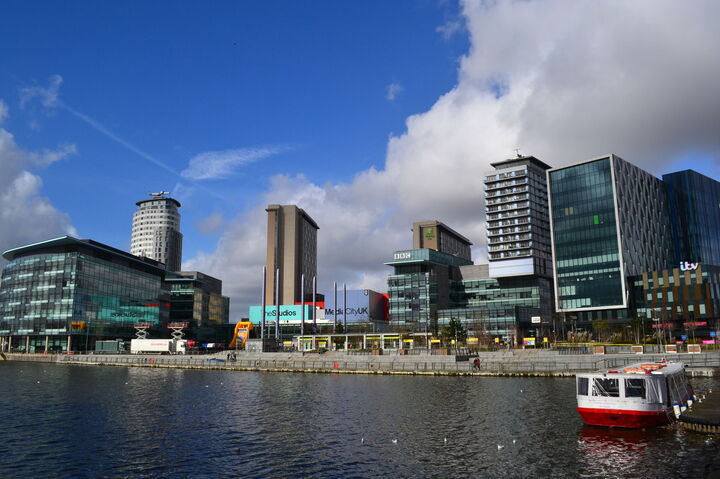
{"x":137,"y":422}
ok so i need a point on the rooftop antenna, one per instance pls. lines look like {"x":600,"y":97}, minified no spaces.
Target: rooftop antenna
{"x":159,"y":194}
{"x":517,"y":152}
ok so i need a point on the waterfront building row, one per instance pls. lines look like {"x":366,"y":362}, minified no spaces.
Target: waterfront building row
{"x":573,"y":242}
{"x":66,"y":293}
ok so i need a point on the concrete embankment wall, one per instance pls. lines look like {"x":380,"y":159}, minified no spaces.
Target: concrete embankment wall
{"x":503,"y":363}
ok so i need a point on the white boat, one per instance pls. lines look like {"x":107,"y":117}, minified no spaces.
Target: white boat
{"x":635,"y":396}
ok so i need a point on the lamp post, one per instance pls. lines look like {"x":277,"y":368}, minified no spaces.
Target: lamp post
{"x":335,"y":308}
{"x":264,"y":306}
{"x":277,"y":304}
{"x":314,"y":311}
{"x":302,"y":305}
{"x":344,"y":308}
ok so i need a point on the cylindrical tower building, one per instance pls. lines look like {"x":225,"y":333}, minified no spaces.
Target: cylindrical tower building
{"x":156,"y":230}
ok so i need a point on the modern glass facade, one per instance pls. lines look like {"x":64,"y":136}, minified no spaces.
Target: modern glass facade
{"x":196,"y":298}
{"x":66,"y":293}
{"x":694,"y":216}
{"x":609,"y":222}
{"x":680,"y":300}
{"x":429,"y":288}
{"x":499,"y":306}
{"x":420,"y":286}
{"x":588,"y":271}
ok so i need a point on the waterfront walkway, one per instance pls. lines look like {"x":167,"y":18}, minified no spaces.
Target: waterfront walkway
{"x":499,"y":363}
{"x":703,"y":416}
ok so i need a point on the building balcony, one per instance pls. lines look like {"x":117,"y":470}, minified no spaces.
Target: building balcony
{"x":512,"y":214}
{"x":507,"y":191}
{"x":508,"y":230}
{"x":507,"y":239}
{"x":510,"y":246}
{"x":498,"y":223}
{"x":511,"y":254}
{"x":508,"y":207}
{"x":504,"y":176}
{"x":499,"y":200}
{"x":505,"y":184}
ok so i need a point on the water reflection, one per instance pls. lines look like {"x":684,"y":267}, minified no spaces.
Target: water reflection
{"x":118,"y":422}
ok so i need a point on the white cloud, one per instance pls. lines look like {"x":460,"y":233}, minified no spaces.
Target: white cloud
{"x":48,"y":96}
{"x":25,"y":215}
{"x":450,"y":28}
{"x":4,"y":112}
{"x":211,"y":224}
{"x":212,"y":165}
{"x":392,"y":91}
{"x":564,"y":81}
{"x":46,"y":157}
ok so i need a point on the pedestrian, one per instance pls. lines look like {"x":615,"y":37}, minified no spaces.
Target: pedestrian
{"x":476,"y":364}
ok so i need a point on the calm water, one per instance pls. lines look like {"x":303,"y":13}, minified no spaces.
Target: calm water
{"x":76,"y":422}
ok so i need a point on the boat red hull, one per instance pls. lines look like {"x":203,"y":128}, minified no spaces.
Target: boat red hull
{"x":623,"y":418}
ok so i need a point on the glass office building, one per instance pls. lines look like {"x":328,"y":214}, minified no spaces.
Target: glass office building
{"x":680,"y":301}
{"x":694,"y":211}
{"x":500,"y":307}
{"x":196,"y":299}
{"x":608,"y":222}
{"x":64,"y":294}
{"x":420,"y":286}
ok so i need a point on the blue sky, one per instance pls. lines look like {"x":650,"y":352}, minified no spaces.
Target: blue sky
{"x":308,"y":80}
{"x":369,"y":115}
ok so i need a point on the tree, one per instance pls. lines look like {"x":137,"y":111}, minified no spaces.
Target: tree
{"x":600,"y":326}
{"x":636,"y":325}
{"x":454,"y":330}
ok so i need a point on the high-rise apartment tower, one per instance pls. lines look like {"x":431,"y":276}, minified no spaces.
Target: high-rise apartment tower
{"x":518,"y":226}
{"x":291,"y":248}
{"x":156,"y":230}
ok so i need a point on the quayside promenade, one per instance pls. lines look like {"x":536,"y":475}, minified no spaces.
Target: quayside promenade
{"x":497,"y":363}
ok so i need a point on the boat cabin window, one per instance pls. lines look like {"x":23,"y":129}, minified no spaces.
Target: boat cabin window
{"x":582,"y":386}
{"x":635,"y":388}
{"x":606,"y":387}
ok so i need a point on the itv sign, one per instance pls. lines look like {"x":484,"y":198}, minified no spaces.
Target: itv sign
{"x":685,"y":266}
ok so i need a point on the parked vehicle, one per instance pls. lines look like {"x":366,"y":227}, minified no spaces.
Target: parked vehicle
{"x":158,"y":346}
{"x":115,"y":346}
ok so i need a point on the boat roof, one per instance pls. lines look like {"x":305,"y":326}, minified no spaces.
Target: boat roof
{"x":664,"y":368}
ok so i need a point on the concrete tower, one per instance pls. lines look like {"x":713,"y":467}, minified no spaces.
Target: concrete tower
{"x":291,"y":248}
{"x":156,"y":230}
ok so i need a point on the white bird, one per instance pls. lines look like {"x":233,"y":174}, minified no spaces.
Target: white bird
{"x":362,"y":440}
{"x":394,"y":441}
{"x":500,"y":447}
{"x":521,"y":390}
{"x":514,"y":441}
{"x":445,"y":440}
{"x":38,"y":382}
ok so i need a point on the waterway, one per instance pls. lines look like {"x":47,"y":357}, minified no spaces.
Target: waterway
{"x":60,"y":421}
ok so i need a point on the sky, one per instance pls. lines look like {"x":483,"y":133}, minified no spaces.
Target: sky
{"x":369,"y":115}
